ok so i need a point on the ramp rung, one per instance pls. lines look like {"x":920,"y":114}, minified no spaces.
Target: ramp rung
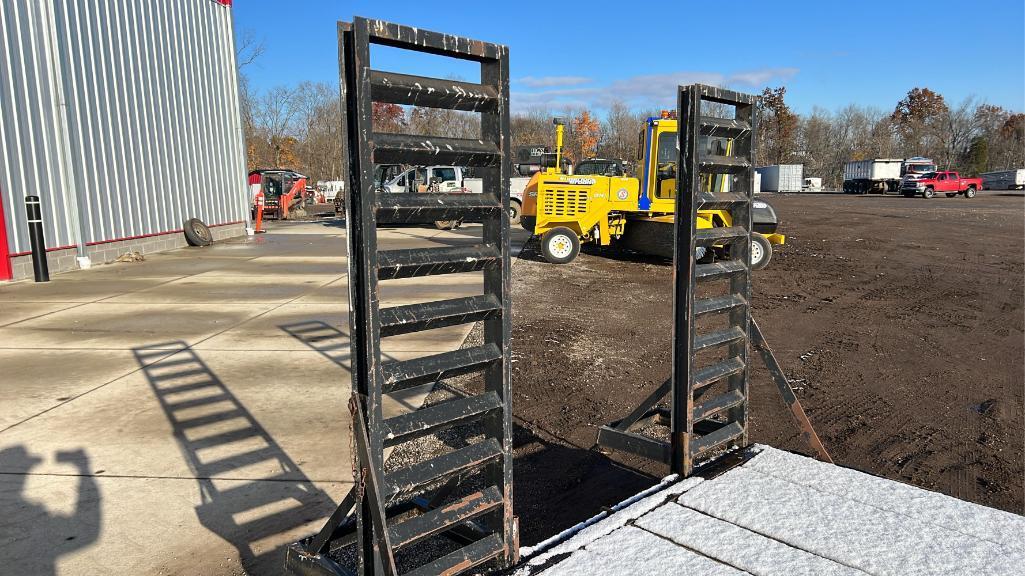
{"x":714,"y":406}
{"x":719,"y":269}
{"x":440,"y":467}
{"x":430,"y":315}
{"x":723,"y":127}
{"x":429,"y":207}
{"x":725,"y":96}
{"x":433,"y":418}
{"x":428,"y":369}
{"x":718,"y":338}
{"x":711,"y":374}
{"x":392,"y":264}
{"x":463,"y":559}
{"x":703,"y":444}
{"x":445,"y":517}
{"x":712,"y":164}
{"x":433,"y":150}
{"x":726,"y":303}
{"x":720,"y":200}
{"x":420,"y":40}
{"x":719,"y":235}
{"x":394,"y":88}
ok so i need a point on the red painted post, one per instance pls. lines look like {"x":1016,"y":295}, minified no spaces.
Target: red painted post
{"x":6,"y":272}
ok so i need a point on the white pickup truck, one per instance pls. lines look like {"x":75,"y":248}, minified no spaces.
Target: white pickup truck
{"x":454,"y":179}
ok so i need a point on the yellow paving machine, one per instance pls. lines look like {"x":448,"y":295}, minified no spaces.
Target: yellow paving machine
{"x":568,"y":209}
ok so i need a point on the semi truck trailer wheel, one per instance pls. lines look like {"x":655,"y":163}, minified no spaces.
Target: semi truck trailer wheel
{"x":560,"y":245}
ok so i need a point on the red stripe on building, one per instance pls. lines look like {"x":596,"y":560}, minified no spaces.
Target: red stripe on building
{"x":126,"y":238}
{"x":6,"y":271}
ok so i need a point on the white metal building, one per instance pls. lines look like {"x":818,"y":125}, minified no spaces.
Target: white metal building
{"x":123,"y":116}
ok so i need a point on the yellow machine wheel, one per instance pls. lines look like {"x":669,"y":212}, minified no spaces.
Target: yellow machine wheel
{"x":560,"y":245}
{"x":761,"y":251}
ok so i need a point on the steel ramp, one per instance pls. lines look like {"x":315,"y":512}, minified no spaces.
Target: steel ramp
{"x":708,"y":390}
{"x":399,"y":508}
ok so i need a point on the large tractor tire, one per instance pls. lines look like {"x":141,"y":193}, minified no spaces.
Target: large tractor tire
{"x":560,"y":245}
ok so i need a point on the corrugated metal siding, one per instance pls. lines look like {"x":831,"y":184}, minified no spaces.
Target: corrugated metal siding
{"x":153,"y":126}
{"x":30,"y":161}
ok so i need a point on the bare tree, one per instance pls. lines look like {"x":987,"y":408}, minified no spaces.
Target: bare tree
{"x":248,"y":49}
{"x":619,"y":132}
{"x":958,"y":127}
{"x":274,"y":117}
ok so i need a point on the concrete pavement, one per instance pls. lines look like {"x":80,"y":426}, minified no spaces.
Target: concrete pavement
{"x":187,"y":414}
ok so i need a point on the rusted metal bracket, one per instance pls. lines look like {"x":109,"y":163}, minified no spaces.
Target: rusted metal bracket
{"x":620,"y":435}
{"x":787,"y":392}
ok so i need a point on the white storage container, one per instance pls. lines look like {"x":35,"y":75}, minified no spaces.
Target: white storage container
{"x":782,"y":177}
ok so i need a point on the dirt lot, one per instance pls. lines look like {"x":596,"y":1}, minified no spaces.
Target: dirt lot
{"x":900,"y":321}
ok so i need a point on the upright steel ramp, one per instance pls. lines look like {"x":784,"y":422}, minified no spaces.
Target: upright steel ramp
{"x":393,"y":509}
{"x":705,"y":401}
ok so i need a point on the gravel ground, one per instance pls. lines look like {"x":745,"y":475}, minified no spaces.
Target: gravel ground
{"x":900,"y":322}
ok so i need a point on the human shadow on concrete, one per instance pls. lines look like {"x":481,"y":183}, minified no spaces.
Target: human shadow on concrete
{"x":32,"y":538}
{"x":220,"y":439}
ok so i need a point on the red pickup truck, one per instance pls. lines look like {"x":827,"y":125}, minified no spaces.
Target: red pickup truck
{"x":950,"y":183}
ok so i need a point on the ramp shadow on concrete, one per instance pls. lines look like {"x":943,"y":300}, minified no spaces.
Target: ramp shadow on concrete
{"x":322,"y":337}
{"x":31,"y":535}
{"x":251,"y":489}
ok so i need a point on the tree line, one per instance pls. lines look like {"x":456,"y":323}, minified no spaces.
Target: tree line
{"x":300,"y":128}
{"x":971,"y":137}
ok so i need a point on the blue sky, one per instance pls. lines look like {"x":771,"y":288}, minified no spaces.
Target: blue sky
{"x":573,"y":52}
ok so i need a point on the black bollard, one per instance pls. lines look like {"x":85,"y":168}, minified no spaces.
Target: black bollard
{"x":35,"y":231}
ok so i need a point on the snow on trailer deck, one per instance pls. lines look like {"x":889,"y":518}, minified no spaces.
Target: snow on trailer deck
{"x":783,"y":514}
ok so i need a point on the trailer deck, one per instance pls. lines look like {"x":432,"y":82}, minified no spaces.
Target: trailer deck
{"x":786,"y":514}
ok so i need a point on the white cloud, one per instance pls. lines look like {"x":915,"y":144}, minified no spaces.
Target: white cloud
{"x":549,"y":81}
{"x":646,"y":91}
{"x":759,"y":78}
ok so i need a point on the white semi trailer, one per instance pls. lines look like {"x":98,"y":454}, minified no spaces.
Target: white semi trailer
{"x":1004,"y":180}
{"x":882,"y":174}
